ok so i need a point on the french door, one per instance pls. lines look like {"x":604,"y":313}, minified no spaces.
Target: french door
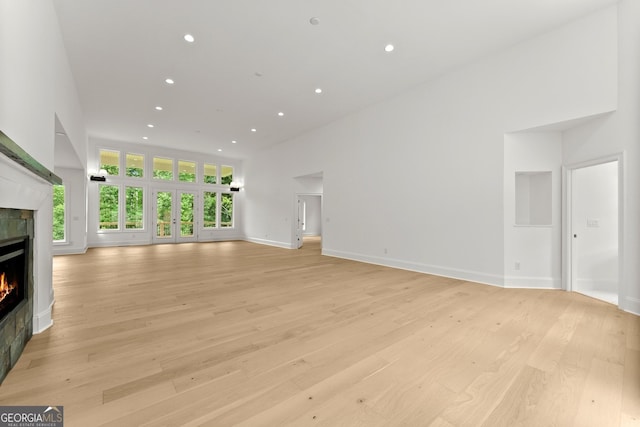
{"x":174,"y":216}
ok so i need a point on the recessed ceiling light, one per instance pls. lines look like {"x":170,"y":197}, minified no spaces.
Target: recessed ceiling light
{"x":389,"y":48}
{"x":253,"y":130}
{"x":145,"y":137}
{"x":314,"y":21}
{"x":234,"y":141}
{"x":219,"y":149}
{"x":149,"y":125}
{"x":159,"y":108}
{"x":281,"y":114}
{"x":318,"y":90}
{"x":189,"y":38}
{"x":169,"y":81}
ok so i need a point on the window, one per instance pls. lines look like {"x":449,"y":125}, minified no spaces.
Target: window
{"x":58,"y":213}
{"x":134,"y":208}
{"x":210,"y":174}
{"x":226,"y":175}
{"x":163,"y":168}
{"x":110,"y":161}
{"x":209,"y":212}
{"x":186,"y":171}
{"x":109,"y":201}
{"x":226,"y":210}
{"x":135,"y":165}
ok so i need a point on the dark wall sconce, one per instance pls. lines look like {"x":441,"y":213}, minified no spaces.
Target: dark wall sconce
{"x":100,"y":176}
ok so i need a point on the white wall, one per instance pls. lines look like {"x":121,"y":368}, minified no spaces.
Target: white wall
{"x":417,"y":181}
{"x":595,"y":220}
{"x":532,"y":257}
{"x":36,"y":85}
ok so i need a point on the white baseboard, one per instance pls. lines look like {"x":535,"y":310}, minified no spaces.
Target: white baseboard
{"x":68,"y":251}
{"x":284,"y":245}
{"x":471,"y":276}
{"x":631,"y":305}
{"x":43,"y":320}
{"x":532,"y":282}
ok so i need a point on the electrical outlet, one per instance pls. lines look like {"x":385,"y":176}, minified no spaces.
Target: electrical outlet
{"x":516,"y":265}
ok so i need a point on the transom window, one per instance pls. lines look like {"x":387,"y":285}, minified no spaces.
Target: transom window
{"x":110,"y":161}
{"x":210,"y":174}
{"x":134,"y":165}
{"x":226,"y":175}
{"x":186,"y":171}
{"x":163,"y":168}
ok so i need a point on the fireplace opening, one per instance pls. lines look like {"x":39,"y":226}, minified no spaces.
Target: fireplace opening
{"x":13,"y":274}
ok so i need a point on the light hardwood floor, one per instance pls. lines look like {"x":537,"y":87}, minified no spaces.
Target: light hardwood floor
{"x":233,"y":333}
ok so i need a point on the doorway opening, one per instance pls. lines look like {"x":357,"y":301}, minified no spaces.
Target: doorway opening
{"x":308,"y":219}
{"x":593,"y":234}
{"x":307,"y":223}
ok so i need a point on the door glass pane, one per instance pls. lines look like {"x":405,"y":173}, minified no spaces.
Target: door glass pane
{"x":135,"y":165}
{"x":226,"y":175}
{"x":110,"y":161}
{"x":210,"y":173}
{"x":163,"y":168}
{"x":134,"y":208}
{"x":226,"y":210}
{"x":186,"y":214}
{"x":58,"y":213}
{"x":186,"y":171}
{"x":209,"y":213}
{"x":164,"y":201}
{"x":109,"y":200}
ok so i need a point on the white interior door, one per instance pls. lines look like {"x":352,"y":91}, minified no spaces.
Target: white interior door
{"x":594,"y":231}
{"x":174,"y":216}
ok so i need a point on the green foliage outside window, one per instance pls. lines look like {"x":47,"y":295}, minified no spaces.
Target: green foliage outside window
{"x":135,"y":172}
{"x":163,"y":207}
{"x":226,"y":210}
{"x":209,"y":216}
{"x":186,"y":177}
{"x":111,"y":170}
{"x":58,"y":213}
{"x":186,"y":214}
{"x":165,"y":175}
{"x":109,"y":207}
{"x":134,"y":207}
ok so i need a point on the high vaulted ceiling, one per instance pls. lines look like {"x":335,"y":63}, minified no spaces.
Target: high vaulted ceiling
{"x":253,"y":59}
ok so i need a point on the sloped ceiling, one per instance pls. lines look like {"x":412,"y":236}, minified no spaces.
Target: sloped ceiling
{"x":253,"y":59}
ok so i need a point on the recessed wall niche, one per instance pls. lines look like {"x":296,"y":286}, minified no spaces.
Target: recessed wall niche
{"x":533,"y":198}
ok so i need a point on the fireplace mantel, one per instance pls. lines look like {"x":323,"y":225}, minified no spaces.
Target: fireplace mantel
{"x":17,"y":154}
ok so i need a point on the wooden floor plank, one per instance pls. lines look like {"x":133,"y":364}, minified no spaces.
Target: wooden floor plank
{"x":234,"y":333}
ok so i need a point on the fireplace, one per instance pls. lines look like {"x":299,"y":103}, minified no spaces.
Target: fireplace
{"x":13,"y":274}
{"x":16,"y":285}
{"x":25,"y":250}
